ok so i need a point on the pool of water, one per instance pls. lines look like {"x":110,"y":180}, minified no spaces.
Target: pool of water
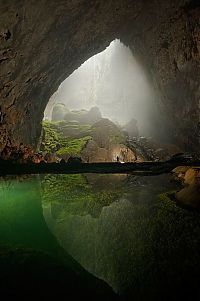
{"x":122,"y":229}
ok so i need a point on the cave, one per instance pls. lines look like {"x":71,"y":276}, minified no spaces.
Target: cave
{"x":41,"y":46}
{"x":78,"y":207}
{"x":102,"y":105}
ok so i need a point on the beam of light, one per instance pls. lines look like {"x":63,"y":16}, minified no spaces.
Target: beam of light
{"x":115,"y":82}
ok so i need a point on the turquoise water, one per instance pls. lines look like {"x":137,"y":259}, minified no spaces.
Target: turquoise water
{"x":122,"y":229}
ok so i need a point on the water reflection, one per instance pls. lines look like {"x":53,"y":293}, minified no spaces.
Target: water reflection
{"x":123,"y":229}
{"x":32,"y":263}
{"x":126,"y":231}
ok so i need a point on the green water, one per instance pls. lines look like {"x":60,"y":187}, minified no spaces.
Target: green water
{"x":21,"y":215}
{"x":122,"y":229}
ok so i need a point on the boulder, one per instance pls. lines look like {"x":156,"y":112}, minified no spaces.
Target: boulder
{"x":191,"y":176}
{"x":189,"y":196}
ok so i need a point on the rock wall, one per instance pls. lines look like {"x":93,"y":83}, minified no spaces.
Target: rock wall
{"x":43,"y":42}
{"x":170,"y":47}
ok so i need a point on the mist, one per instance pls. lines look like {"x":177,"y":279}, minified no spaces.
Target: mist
{"x":114,"y":82}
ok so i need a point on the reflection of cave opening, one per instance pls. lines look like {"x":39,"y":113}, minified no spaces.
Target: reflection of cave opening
{"x":104,"y":111}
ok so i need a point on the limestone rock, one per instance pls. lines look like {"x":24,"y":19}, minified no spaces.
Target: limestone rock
{"x":189,"y":196}
{"x":84,"y":116}
{"x":59,"y":111}
{"x":106,"y":133}
{"x":191,"y":176}
{"x":108,"y":143}
{"x":131,"y":128}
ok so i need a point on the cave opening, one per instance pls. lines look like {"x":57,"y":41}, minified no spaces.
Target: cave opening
{"x":104,"y":111}
{"x":114,"y":82}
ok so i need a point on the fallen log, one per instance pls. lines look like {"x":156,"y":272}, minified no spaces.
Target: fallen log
{"x":140,"y":169}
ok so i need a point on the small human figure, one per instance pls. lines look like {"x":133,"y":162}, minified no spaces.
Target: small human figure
{"x":117,"y":158}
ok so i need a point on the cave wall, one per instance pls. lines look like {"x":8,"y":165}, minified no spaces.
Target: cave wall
{"x":43,"y":42}
{"x":170,"y":49}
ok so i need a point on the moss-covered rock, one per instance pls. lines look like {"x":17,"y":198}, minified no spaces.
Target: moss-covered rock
{"x":104,"y":141}
{"x":51,"y":136}
{"x":65,"y":138}
{"x":73,"y":147}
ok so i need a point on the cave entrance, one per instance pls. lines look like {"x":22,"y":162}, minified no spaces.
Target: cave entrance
{"x":114,"y":82}
{"x":101,"y":109}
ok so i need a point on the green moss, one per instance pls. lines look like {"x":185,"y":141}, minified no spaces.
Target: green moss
{"x":73,"y":147}
{"x":72,"y":137}
{"x":52,"y":136}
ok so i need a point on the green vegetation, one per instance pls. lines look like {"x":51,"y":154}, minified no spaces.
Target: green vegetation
{"x":73,"y":147}
{"x":51,"y":136}
{"x":70,"y":136}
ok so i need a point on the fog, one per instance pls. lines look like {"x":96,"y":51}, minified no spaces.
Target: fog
{"x":115,"y":82}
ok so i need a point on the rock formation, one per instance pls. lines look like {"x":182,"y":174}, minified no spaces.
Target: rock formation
{"x":108,"y":143}
{"x":131,"y":128}
{"x":43,"y":42}
{"x":59,"y":111}
{"x":84,"y":116}
{"x":101,"y":142}
{"x":188,"y":196}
